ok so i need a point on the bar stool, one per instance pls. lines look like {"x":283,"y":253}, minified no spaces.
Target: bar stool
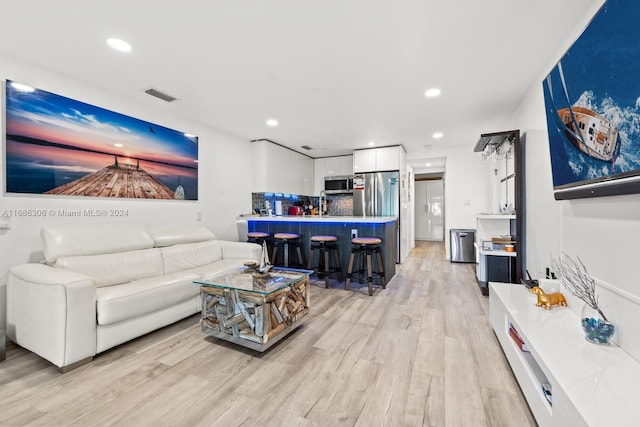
{"x":325,"y":244}
{"x":365,"y":247}
{"x":287,"y":241}
{"x":258,"y":237}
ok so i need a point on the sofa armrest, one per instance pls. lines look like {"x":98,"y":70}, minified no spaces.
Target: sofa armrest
{"x":241,"y":250}
{"x":52,"y":312}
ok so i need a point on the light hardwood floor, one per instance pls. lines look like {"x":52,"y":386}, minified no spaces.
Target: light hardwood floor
{"x":420,"y":353}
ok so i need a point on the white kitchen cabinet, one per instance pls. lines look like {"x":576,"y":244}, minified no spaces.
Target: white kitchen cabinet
{"x":377,"y":159}
{"x":318,"y":175}
{"x":338,"y":166}
{"x":346,"y":165}
{"x":388,"y":158}
{"x":364,"y":160}
{"x":332,"y":166}
{"x":277,"y":169}
{"x":259,"y":163}
{"x":300,"y":174}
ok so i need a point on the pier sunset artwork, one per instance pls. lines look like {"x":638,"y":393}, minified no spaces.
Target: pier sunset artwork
{"x":59,"y":146}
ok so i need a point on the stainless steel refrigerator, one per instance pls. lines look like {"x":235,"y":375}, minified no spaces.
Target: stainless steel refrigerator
{"x":379,"y":197}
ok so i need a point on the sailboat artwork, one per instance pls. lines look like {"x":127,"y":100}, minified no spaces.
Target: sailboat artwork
{"x":592,"y":106}
{"x":591,"y":133}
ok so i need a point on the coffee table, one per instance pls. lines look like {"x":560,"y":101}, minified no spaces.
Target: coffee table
{"x":252,"y":309}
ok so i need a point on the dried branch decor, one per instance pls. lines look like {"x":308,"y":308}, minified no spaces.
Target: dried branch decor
{"x":576,"y":279}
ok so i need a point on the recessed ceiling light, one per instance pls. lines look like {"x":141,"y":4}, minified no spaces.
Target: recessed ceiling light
{"x":272,"y":122}
{"x":372,"y":143}
{"x":437,"y":135}
{"x":119,"y":44}
{"x":432,"y":93}
{"x":427,"y":164}
{"x":118,"y":145}
{"x":22,"y":87}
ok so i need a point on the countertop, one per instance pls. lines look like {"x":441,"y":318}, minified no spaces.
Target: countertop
{"x":324,"y":218}
{"x":497,"y":253}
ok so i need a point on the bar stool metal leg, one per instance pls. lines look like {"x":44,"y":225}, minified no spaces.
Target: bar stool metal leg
{"x":336,"y":256}
{"x":383,"y":279}
{"x":349,"y":269}
{"x":369,"y":273}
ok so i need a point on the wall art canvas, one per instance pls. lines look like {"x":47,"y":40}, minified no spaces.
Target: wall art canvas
{"x":60,"y":146}
{"x":592,"y":100}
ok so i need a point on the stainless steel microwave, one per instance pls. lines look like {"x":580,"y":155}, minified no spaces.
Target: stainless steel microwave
{"x":338,"y":184}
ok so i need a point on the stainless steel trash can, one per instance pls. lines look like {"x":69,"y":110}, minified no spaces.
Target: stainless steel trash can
{"x":461,"y":245}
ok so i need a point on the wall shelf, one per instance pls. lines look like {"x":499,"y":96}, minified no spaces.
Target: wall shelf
{"x":495,"y":216}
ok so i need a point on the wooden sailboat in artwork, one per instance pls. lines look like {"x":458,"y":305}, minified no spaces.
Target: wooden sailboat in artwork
{"x":588,"y":131}
{"x":591,"y":133}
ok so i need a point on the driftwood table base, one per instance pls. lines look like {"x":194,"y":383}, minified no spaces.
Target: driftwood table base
{"x":254,"y":320}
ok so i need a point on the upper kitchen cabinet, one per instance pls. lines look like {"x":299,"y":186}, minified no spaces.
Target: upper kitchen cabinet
{"x":300,"y":174}
{"x":364,"y":160}
{"x":378,"y":159}
{"x":338,"y":166}
{"x":277,"y":169}
{"x":318,"y":175}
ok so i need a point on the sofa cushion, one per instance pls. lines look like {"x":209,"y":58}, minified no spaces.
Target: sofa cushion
{"x":167,"y":236}
{"x":112,"y":269}
{"x":92,"y":240}
{"x":190,"y":255}
{"x":140,"y":297}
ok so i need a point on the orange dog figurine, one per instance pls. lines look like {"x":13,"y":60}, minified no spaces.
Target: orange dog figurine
{"x":547,"y":300}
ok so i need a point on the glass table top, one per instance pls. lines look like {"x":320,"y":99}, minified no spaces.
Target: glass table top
{"x":249,"y":280}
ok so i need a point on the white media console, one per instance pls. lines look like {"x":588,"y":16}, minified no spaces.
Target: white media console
{"x":587,"y":384}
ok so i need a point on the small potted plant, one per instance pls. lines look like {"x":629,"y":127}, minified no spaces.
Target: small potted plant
{"x":574,"y":277}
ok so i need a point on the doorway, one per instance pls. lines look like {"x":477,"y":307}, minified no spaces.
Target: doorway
{"x":429,"y":208}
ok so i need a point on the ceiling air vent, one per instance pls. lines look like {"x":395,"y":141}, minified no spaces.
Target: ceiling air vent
{"x":160,"y":95}
{"x":306,"y":147}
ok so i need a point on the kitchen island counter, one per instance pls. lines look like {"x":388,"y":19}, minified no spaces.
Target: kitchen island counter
{"x":383,"y":227}
{"x":323,"y":218}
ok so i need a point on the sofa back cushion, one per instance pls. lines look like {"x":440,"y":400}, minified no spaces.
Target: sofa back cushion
{"x":190,"y":255}
{"x":167,"y":236}
{"x":112,"y":269}
{"x":93,"y":239}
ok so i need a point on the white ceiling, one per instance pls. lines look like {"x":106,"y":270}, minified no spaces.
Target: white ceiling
{"x":336,"y":74}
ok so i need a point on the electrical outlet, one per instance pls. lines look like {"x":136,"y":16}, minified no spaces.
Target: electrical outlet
{"x":354,"y":233}
{"x":198,"y":216}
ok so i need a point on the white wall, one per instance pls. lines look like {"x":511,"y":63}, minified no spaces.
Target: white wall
{"x":223,"y":191}
{"x":603,"y":232}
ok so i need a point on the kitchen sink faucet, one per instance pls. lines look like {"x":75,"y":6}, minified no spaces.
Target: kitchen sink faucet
{"x":321,"y":207}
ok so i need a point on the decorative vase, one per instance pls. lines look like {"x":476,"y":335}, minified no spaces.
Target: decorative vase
{"x":596,"y":329}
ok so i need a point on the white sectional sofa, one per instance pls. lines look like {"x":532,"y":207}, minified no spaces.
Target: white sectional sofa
{"x":103,"y":285}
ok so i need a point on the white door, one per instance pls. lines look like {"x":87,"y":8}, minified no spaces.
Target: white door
{"x":429,"y":205}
